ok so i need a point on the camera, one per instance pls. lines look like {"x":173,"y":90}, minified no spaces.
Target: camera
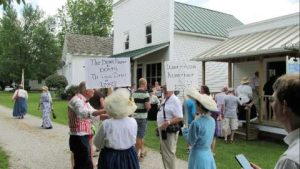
{"x":164,"y":134}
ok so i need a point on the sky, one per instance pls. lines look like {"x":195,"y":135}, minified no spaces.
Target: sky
{"x":247,"y":11}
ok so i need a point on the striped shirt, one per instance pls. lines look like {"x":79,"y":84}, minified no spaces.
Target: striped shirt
{"x":79,"y":112}
{"x":140,"y":98}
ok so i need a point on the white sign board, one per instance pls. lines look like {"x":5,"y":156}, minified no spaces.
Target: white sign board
{"x":107,"y":72}
{"x":181,"y":74}
{"x":292,"y":65}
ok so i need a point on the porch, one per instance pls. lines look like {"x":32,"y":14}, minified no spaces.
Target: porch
{"x":262,"y":48}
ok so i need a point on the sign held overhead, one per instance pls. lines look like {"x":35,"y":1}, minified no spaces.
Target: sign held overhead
{"x":181,"y":74}
{"x":107,"y":72}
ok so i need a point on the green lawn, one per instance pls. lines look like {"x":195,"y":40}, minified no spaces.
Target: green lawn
{"x":3,"y":159}
{"x":263,"y":153}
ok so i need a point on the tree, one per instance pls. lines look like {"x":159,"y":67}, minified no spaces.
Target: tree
{"x":6,"y":3}
{"x":11,"y":45}
{"x":27,"y":44}
{"x":91,"y":17}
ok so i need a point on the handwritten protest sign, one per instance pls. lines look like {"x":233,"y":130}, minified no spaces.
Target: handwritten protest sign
{"x":181,"y":74}
{"x":107,"y":72}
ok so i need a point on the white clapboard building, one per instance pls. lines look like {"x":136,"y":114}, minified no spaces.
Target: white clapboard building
{"x":77,"y":48}
{"x":153,"y":31}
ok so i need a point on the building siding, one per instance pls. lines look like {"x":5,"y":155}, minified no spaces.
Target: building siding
{"x":133,"y":15}
{"x":243,"y":69}
{"x":186,"y":47}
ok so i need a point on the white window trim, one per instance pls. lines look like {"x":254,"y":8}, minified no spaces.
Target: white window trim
{"x":146,"y":35}
{"x":126,"y":35}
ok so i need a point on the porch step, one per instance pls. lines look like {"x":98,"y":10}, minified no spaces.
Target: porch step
{"x":252,"y":134}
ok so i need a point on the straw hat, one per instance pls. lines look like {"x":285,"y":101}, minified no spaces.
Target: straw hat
{"x":45,"y":88}
{"x":245,"y":80}
{"x":118,"y":105}
{"x":205,"y":100}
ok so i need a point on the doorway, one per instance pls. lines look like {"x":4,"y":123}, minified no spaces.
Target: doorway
{"x":276,"y":68}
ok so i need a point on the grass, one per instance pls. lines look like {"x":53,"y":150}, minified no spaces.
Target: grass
{"x":263,"y":153}
{"x":3,"y":159}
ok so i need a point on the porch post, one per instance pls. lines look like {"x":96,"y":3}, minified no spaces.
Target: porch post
{"x":262,"y":74}
{"x":134,"y":71}
{"x":203,"y":72}
{"x":230,"y":74}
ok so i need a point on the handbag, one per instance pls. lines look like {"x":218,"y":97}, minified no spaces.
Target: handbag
{"x":53,"y":114}
{"x":172,"y":128}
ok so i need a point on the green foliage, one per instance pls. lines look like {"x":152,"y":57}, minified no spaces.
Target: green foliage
{"x":6,"y":3}
{"x":56,"y":81}
{"x":91,"y":17}
{"x":3,"y":159}
{"x":28,"y":44}
{"x":69,"y":93}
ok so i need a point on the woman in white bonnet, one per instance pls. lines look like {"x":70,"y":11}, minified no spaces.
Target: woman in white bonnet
{"x":116,"y":137}
{"x":200,"y":133}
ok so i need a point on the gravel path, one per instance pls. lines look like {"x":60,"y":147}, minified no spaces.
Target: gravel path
{"x":31,"y":147}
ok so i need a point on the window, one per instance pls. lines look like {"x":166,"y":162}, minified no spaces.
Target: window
{"x":148,"y":34}
{"x":153,"y":73}
{"x":126,"y":43}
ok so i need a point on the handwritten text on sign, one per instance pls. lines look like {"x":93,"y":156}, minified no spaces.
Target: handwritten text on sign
{"x":181,"y":74}
{"x":107,"y":72}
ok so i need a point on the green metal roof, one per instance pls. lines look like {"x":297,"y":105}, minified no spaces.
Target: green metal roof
{"x":142,"y":51}
{"x":195,"y":19}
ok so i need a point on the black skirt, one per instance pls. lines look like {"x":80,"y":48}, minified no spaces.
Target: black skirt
{"x":242,"y":112}
{"x":118,"y":159}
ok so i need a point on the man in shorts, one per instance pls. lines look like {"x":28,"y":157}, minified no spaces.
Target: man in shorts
{"x":142,"y":100}
{"x":230,"y":115}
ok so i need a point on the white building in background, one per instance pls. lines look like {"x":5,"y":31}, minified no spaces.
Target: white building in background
{"x":153,"y":31}
{"x":76,"y":49}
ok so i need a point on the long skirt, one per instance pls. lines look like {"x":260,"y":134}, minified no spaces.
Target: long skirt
{"x":201,"y":159}
{"x":242,"y":112}
{"x":118,"y":159}
{"x":46,"y":109}
{"x":20,"y":107}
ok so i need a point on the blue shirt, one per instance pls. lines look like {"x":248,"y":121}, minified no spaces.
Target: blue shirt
{"x":191,"y":109}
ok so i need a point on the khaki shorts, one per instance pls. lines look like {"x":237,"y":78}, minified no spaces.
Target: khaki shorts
{"x":230,"y":123}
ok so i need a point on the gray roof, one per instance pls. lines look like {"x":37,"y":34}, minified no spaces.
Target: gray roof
{"x":278,"y":40}
{"x":87,"y":44}
{"x":195,"y":19}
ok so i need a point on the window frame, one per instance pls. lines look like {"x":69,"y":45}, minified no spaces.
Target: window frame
{"x":148,"y":35}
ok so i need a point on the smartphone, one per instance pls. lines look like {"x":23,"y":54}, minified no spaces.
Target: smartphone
{"x":245,"y":164}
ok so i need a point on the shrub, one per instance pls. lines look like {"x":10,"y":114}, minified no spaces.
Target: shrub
{"x":56,"y":81}
{"x":69,"y":93}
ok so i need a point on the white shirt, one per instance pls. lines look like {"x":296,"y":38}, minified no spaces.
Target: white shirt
{"x":173,"y":109}
{"x":21,"y":93}
{"x":290,"y":159}
{"x":118,"y":134}
{"x":244,"y":93}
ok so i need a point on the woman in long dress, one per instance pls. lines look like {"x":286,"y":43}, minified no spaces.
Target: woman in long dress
{"x":20,"y":107}
{"x":116,"y":137}
{"x":46,"y":107}
{"x":200,"y":133}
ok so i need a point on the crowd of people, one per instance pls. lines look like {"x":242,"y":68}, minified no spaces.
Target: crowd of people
{"x":120,"y":122}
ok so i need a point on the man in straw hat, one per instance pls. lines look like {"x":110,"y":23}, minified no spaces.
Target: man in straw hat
{"x":285,"y":104}
{"x":117,"y":136}
{"x":200,"y":134}
{"x":244,"y":93}
{"x":170,"y":114}
{"x":80,"y":112}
